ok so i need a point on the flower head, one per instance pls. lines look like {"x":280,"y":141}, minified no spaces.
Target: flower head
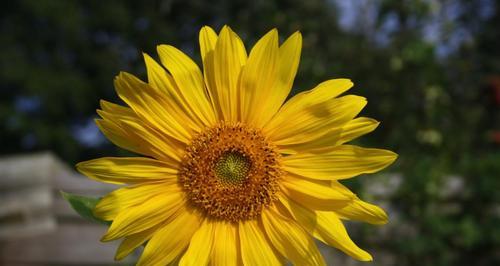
{"x":232,"y":173}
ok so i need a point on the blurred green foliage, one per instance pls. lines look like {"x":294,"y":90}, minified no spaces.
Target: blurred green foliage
{"x":437,"y":99}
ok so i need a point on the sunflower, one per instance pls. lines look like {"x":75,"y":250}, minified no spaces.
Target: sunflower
{"x":231,"y":173}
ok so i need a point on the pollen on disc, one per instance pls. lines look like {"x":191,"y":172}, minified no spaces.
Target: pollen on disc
{"x":230,"y":172}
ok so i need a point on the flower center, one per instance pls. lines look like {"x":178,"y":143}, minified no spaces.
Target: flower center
{"x":230,"y":172}
{"x":232,"y":167}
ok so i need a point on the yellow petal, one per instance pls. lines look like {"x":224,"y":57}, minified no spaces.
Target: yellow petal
{"x":258,"y":76}
{"x":151,"y":107}
{"x":118,"y":110}
{"x":337,"y":136}
{"x":171,"y":240}
{"x":314,"y":194}
{"x":130,"y":243}
{"x":312,"y":121}
{"x":290,"y":239}
{"x":342,"y":162}
{"x":162,"y":146}
{"x":363,"y":211}
{"x":208,"y":40}
{"x":167,"y":93}
{"x":356,"y":128}
{"x":333,"y":232}
{"x":327,"y":227}
{"x":122,"y":135}
{"x":189,"y":80}
{"x":123,"y":139}
{"x":144,"y":216}
{"x":229,"y":56}
{"x":200,"y":248}
{"x":113,"y":203}
{"x":134,"y":136}
{"x":119,"y":170}
{"x":158,"y":79}
{"x":357,"y":209}
{"x":255,"y":249}
{"x":225,"y":250}
{"x":321,"y":93}
{"x":123,"y":127}
{"x":342,"y":189}
{"x":288,"y":63}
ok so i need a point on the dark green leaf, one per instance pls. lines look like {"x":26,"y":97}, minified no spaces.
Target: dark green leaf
{"x":83,"y":206}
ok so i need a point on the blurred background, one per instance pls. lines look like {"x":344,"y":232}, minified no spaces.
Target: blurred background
{"x":429,"y":68}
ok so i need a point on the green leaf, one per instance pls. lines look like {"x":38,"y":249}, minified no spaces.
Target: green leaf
{"x":83,"y":206}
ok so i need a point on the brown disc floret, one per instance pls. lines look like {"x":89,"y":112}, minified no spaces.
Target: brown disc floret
{"x":230,"y":172}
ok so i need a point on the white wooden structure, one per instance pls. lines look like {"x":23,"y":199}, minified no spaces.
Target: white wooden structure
{"x":37,"y":226}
